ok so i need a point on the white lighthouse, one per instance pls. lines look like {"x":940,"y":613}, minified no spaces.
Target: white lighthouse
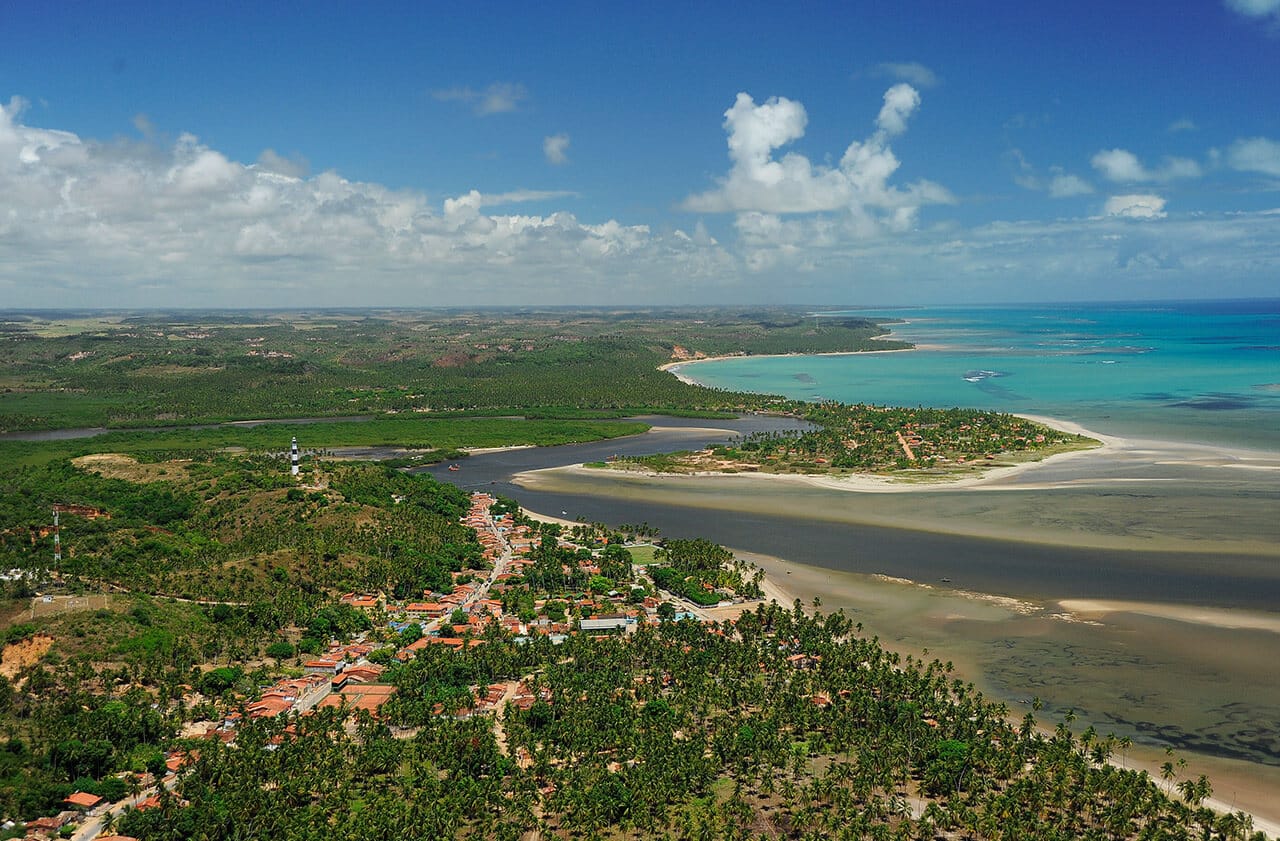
{"x":293,"y":457}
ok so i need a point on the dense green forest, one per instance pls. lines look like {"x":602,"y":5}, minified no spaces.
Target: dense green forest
{"x":152,"y":369}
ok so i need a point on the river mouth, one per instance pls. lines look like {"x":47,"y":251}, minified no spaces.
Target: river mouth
{"x":980,"y":575}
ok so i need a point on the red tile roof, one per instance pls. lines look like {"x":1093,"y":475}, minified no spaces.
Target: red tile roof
{"x":83,"y":799}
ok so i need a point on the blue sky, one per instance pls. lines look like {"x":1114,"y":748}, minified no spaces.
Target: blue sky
{"x":819,"y":153}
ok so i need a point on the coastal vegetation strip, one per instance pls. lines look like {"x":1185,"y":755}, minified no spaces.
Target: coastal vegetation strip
{"x":921,"y":444}
{"x":430,"y":438}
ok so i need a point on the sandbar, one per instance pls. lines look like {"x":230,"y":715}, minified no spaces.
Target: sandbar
{"x":904,"y":482}
{"x":1216,"y":617}
{"x":1238,"y":785}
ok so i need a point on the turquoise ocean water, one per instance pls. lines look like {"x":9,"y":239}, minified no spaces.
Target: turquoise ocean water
{"x":1203,"y":371}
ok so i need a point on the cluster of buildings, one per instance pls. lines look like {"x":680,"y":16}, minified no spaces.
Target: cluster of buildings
{"x":82,"y":806}
{"x":460,"y":618}
{"x":342,"y":672}
{"x":344,"y":676}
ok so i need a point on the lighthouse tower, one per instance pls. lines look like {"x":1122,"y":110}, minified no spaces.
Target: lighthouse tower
{"x":293,"y":457}
{"x":57,"y":537}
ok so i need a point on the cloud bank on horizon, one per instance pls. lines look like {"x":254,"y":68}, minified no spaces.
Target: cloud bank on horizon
{"x":145,"y":222}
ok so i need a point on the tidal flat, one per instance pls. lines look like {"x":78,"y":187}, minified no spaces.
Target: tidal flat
{"x":1209,"y":693}
{"x":1166,"y":555}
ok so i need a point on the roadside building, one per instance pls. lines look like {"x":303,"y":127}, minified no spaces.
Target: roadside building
{"x":84,"y":801}
{"x":603,"y":624}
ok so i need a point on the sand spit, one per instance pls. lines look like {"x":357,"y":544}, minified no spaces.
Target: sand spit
{"x":479,"y":451}
{"x":1113,"y":450}
{"x":1216,"y":617}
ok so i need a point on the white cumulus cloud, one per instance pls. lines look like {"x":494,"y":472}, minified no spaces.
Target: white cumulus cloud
{"x":1255,"y":154}
{"x":1060,"y":184}
{"x":154,"y":221}
{"x":1064,"y":186}
{"x":556,"y":148}
{"x":900,"y":102}
{"x":759,"y":181}
{"x":141,"y":224}
{"x":272,"y":161}
{"x":1121,"y":165}
{"x":1136,"y":206}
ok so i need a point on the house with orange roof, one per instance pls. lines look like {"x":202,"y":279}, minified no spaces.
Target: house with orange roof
{"x":323,"y":666}
{"x":411,"y":650}
{"x":299,"y":694}
{"x":363,"y":674}
{"x":361,"y":697}
{"x":425,"y":610}
{"x":178,"y":760}
{"x":83,"y":800}
{"x":362,"y":601}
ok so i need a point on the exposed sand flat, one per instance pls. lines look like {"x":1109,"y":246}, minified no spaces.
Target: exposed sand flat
{"x":1237,"y":785}
{"x":1082,"y":512}
{"x":547,"y":518}
{"x":690,"y":431}
{"x":1162,"y":451}
{"x":1219,"y":618}
{"x":479,"y":451}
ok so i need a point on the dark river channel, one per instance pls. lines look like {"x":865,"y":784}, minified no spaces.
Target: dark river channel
{"x":1006,"y":567}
